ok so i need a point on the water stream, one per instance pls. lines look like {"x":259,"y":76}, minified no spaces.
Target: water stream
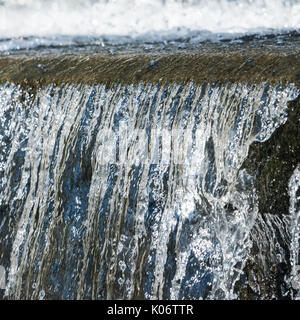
{"x":136,"y":192}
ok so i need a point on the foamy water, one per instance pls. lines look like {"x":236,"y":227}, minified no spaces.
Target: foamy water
{"x":62,"y":22}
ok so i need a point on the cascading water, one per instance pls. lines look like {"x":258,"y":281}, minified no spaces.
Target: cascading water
{"x":119,"y":180}
{"x":134,"y":191}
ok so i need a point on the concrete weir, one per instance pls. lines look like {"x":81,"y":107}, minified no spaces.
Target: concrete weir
{"x":212,"y":63}
{"x":139,"y":230}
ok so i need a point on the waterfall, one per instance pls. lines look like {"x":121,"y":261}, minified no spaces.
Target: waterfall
{"x":136,"y":192}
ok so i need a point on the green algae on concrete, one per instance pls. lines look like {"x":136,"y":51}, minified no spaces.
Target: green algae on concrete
{"x":207,"y":66}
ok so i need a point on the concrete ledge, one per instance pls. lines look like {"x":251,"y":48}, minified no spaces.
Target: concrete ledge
{"x":253,"y":66}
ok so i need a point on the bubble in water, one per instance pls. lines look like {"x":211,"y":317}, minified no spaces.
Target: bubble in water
{"x":122,"y":265}
{"x":42,"y":295}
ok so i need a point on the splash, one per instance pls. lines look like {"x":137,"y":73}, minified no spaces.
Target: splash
{"x":48,"y":23}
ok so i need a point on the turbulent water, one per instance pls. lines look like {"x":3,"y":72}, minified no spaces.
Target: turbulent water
{"x":35,"y":23}
{"x":135,"y":192}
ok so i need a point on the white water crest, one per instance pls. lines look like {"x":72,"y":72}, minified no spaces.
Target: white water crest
{"x":66,"y":22}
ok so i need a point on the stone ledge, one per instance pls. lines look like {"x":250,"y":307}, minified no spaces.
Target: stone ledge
{"x":254,"y":66}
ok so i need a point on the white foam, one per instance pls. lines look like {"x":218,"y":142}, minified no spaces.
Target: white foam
{"x":146,"y":19}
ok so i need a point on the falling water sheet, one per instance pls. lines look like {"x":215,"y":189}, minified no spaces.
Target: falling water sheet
{"x":134,"y":191}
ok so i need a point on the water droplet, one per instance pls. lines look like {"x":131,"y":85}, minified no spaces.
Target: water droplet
{"x":42,"y":295}
{"x":122,"y":265}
